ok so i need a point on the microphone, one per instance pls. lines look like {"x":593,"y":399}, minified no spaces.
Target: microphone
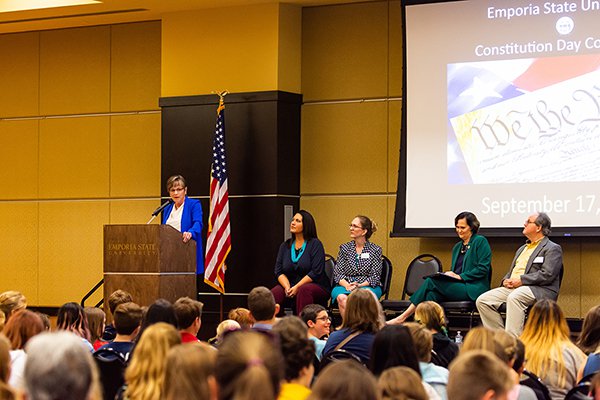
{"x":162,"y":207}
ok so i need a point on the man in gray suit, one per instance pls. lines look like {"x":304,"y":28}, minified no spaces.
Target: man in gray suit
{"x":534,"y":275}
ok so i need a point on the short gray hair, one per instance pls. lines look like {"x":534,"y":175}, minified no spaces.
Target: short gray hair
{"x":59,"y":366}
{"x":543,"y":221}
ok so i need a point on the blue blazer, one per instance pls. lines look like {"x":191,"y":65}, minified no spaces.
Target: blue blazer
{"x":191,"y":221}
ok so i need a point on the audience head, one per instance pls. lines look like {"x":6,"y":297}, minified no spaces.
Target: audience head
{"x":145,"y":374}
{"x":10,"y":302}
{"x":261,"y":304}
{"x":249,"y":366}
{"x":225,"y":327}
{"x":118,"y":297}
{"x":23,"y":325}
{"x":589,"y":338}
{"x":423,"y":340}
{"x":317,"y":319}
{"x":45,"y":320}
{"x":6,"y":392}
{"x":309,"y":226}
{"x":189,"y":373}
{"x":479,"y":338}
{"x":2,"y":320}
{"x":401,"y":383}
{"x":393,"y":347}
{"x":127,"y":317}
{"x":363,"y":312}
{"x":96,"y":320}
{"x":242,"y":316}
{"x":160,"y":311}
{"x":59,"y":366}
{"x":545,"y":337}
{"x":478,"y":375}
{"x":72,"y":318}
{"x":188,"y":312}
{"x":297,"y":349}
{"x":346,"y":380}
{"x":367,"y":224}
{"x":431,"y":315}
{"x":519,"y":364}
{"x":471,"y":220}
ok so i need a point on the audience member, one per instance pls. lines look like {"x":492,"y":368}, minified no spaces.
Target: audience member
{"x":22,"y":326}
{"x":317,"y":319}
{"x":117,"y":297}
{"x":550,"y":353}
{"x":519,"y":367}
{"x":394,"y":347}
{"x":358,"y":264}
{"x":242,"y":316}
{"x":249,"y":366}
{"x":263,"y":308}
{"x":2,"y":320}
{"x":45,"y":320}
{"x":96,"y":321}
{"x":589,"y":342}
{"x":6,"y":393}
{"x":346,"y":380}
{"x":504,"y":346}
{"x":160,"y":311}
{"x":223,"y":328}
{"x":126,"y":319}
{"x":144,"y":377}
{"x":71,"y":318}
{"x":300,"y":266}
{"x":298,"y":354}
{"x":478,"y":375}
{"x":188,"y":313}
{"x":10,"y":302}
{"x":431,"y":315}
{"x":434,"y":375}
{"x":595,"y":387}
{"x":401,"y":383}
{"x":189,"y":373}
{"x":534,"y":275}
{"x":363,"y":320}
{"x":60,"y":366}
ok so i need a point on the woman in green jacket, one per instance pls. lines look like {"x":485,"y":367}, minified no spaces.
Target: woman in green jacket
{"x":471,"y":269}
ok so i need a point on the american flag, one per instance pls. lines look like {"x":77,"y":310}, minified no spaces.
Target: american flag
{"x":218,"y":243}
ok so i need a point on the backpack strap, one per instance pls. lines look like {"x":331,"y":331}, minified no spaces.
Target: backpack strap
{"x":349,"y":338}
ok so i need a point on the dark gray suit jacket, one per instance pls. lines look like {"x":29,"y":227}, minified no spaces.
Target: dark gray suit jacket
{"x":543,"y":269}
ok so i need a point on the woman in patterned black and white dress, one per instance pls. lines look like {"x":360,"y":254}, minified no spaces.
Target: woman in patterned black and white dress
{"x":359,"y":263}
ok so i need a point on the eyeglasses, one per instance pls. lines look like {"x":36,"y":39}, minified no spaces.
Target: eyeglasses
{"x":529,"y":222}
{"x":352,"y":226}
{"x":323,"y":318}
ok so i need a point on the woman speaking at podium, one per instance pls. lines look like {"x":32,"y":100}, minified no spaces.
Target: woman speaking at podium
{"x":185,"y":215}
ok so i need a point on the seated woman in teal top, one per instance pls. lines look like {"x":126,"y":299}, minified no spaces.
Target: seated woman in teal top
{"x":471,"y":266}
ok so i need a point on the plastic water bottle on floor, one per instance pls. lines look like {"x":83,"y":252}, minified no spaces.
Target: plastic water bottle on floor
{"x":458,"y":339}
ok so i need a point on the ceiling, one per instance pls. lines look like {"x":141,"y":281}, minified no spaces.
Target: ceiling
{"x":118,"y":11}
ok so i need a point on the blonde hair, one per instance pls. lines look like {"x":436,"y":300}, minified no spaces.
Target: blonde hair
{"x":545,"y":336}
{"x":249,"y":366}
{"x":145,"y":374}
{"x":188,"y":370}
{"x":431,"y":315}
{"x":401,"y":383}
{"x":423,"y":340}
{"x":479,"y":338}
{"x":496,"y":341}
{"x":12,"y":301}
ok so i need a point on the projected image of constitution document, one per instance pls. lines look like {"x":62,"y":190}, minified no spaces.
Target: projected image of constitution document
{"x":548,"y":131}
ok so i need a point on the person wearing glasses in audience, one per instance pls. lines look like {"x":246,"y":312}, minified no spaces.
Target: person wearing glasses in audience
{"x":319,"y":324}
{"x":358,"y":264}
{"x":469,"y":276}
{"x":534,"y":275}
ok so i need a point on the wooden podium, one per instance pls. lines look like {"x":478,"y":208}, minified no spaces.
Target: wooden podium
{"x":148,"y":261}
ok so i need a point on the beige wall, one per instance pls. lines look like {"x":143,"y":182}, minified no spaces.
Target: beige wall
{"x":79,"y":148}
{"x":351,"y":82}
